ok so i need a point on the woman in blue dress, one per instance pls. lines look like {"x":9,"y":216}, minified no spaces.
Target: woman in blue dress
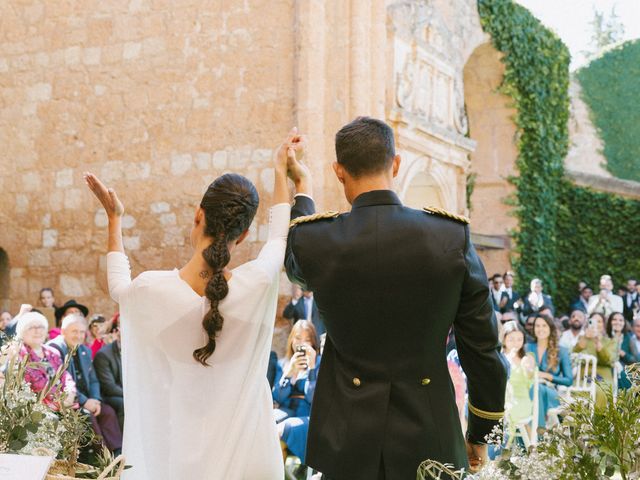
{"x":553,"y":362}
{"x":293,"y":392}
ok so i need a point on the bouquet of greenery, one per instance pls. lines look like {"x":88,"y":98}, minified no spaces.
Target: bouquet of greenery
{"x":588,"y":445}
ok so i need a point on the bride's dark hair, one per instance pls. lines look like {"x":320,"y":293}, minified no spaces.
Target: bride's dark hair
{"x":229,"y":205}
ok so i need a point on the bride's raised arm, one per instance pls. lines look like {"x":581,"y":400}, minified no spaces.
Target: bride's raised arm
{"x":118,"y":271}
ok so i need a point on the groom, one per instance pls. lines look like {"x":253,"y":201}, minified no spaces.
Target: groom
{"x":390,"y":281}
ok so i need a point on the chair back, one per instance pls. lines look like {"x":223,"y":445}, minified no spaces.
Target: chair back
{"x":584,"y":366}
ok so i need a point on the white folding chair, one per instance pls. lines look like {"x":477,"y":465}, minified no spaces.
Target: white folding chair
{"x":617,"y":371}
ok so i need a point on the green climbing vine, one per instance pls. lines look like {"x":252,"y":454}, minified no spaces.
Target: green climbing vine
{"x":565,"y":233}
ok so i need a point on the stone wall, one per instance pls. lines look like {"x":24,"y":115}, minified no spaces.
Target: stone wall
{"x":159,"y":97}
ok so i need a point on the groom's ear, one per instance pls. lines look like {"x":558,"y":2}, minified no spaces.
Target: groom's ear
{"x":339,"y":171}
{"x":396,"y":165}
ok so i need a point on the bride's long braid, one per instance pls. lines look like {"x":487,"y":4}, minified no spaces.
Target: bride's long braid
{"x":229,"y":205}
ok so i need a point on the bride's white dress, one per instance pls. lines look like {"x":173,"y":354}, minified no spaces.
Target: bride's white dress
{"x":184,"y":420}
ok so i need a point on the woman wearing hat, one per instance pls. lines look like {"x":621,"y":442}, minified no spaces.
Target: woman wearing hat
{"x":44,"y":361}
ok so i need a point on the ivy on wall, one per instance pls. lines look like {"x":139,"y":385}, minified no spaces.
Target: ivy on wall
{"x":610,"y":86}
{"x":565,"y":233}
{"x":537,"y":79}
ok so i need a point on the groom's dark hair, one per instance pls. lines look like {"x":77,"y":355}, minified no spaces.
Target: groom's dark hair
{"x":365,"y":147}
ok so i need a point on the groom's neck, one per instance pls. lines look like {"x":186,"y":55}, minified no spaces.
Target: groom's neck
{"x":356,"y":187}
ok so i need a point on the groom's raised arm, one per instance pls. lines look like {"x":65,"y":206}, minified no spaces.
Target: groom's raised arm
{"x":302,"y":205}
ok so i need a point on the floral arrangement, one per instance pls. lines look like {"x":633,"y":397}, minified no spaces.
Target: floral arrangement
{"x":44,"y":422}
{"x":587,"y":445}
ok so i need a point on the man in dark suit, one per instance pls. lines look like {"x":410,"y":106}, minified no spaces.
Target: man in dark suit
{"x":630,"y":300}
{"x":103,"y":418}
{"x":582,"y":302}
{"x":389,"y":282}
{"x":108,"y":366}
{"x":303,"y":307}
{"x":509,"y":301}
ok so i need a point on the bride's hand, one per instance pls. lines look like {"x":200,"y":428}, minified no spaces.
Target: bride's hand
{"x":107,"y":196}
{"x":293,"y":142}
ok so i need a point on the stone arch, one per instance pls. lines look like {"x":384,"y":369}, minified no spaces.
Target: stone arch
{"x":424,"y":183}
{"x":4,"y":279}
{"x":490,"y":119}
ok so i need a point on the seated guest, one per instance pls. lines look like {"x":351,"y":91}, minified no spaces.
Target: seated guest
{"x":582,"y":302}
{"x":528,"y":328}
{"x":293,"y":392}
{"x":536,"y":300}
{"x":44,"y":361}
{"x":108,"y":366}
{"x":634,"y":337}
{"x":510,"y":299}
{"x":520,"y":378}
{"x":103,"y":417}
{"x":95,"y":332}
{"x":303,"y":307}
{"x":618,"y":330}
{"x":553,"y":362}
{"x":595,"y":342}
{"x":606,"y":302}
{"x":570,"y":337}
{"x":7,"y":329}
{"x":67,"y":309}
{"x":496,"y":286}
{"x":47,"y":306}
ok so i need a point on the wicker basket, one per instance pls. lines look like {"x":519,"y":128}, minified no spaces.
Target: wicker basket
{"x":58,"y":470}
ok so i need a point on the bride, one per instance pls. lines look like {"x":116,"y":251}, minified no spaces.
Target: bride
{"x":196,"y":341}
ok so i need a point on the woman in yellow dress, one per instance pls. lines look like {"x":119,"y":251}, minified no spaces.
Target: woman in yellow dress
{"x":595,"y":342}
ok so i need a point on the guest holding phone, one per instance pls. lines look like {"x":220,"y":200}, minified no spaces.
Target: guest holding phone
{"x":293,"y":393}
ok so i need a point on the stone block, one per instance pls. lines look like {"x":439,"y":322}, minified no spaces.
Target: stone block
{"x":159,"y":207}
{"x":128,"y":222}
{"x":73,"y":198}
{"x":203,"y":161}
{"x":22,"y":203}
{"x":91,"y":56}
{"x":49,"y":238}
{"x":168,"y":219}
{"x":100,"y":219}
{"x":40,"y":257}
{"x":220,"y":160}
{"x":72,"y":286}
{"x":137,"y":171}
{"x":131,"y":243}
{"x":180,"y":163}
{"x":267,"y":178}
{"x":72,"y":55}
{"x":64,"y":178}
{"x":31,"y":182}
{"x":40,"y":92}
{"x":131,"y":50}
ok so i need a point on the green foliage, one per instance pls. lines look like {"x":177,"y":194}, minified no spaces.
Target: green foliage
{"x":610,"y":86}
{"x":596,"y":234}
{"x":537,"y":79}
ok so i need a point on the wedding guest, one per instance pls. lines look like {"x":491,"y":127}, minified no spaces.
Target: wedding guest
{"x":582,"y":302}
{"x":303,"y":307}
{"x":496,"y":287}
{"x":634,"y":336}
{"x":68,"y":308}
{"x":293,"y":392}
{"x":47,"y":306}
{"x":595,"y":342}
{"x":617,"y":329}
{"x":536,"y":300}
{"x":606,"y":302}
{"x":510,"y":299}
{"x":520,"y":377}
{"x":7,"y":330}
{"x":44,"y":361}
{"x":631,"y":300}
{"x":554,"y":365}
{"x":103,"y":417}
{"x":273,"y":370}
{"x":108,"y":365}
{"x":95,"y":334}
{"x":570,"y":337}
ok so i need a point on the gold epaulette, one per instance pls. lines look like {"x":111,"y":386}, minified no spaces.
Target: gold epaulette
{"x":313,"y":217}
{"x":444,"y":213}
{"x":484,"y":414}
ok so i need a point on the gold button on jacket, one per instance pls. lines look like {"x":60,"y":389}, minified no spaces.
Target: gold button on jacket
{"x":356,"y":381}
{"x":425,"y":381}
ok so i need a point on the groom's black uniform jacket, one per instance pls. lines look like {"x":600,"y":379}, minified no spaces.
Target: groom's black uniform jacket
{"x":390,"y":281}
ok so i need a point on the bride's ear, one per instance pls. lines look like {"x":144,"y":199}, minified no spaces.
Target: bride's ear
{"x":198,"y":217}
{"x":242,"y":236}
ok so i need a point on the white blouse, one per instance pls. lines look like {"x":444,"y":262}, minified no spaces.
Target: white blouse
{"x":184,"y":420}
